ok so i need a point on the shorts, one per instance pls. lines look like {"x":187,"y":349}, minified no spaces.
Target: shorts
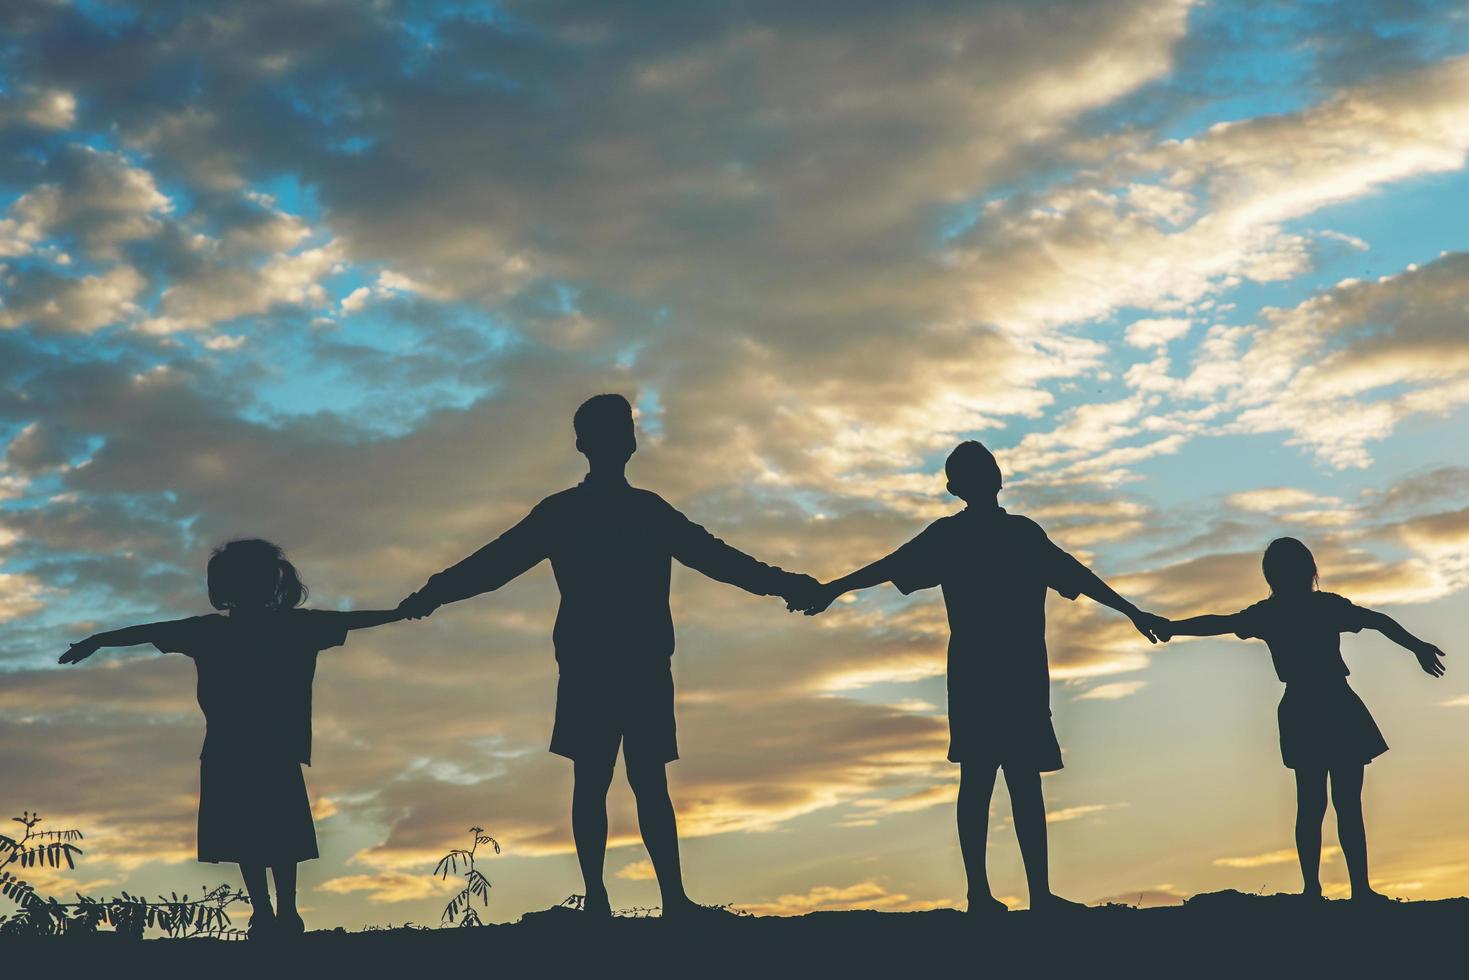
{"x":598,"y":712}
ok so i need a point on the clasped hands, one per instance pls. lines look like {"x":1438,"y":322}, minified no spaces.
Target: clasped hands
{"x":810,"y":596}
{"x":417,"y":606}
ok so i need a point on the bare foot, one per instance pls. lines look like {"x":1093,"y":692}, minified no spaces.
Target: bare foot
{"x":289,"y":922}
{"x":1366,"y":896}
{"x":1054,"y":903}
{"x":690,"y":911}
{"x":262,"y":925}
{"x":986,"y":905}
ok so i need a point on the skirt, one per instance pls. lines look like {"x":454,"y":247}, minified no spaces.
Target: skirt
{"x":1325,"y":724}
{"x":254,"y":811}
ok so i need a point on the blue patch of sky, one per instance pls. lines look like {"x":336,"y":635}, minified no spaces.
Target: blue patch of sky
{"x":292,"y":196}
{"x":353,"y":145}
{"x":109,"y":15}
{"x":1235,"y":62}
{"x":423,"y":22}
{"x":953,"y":221}
{"x":650,"y":411}
{"x":302,"y":384}
{"x":1411,"y":221}
{"x":627,"y":357}
{"x":1242,"y":61}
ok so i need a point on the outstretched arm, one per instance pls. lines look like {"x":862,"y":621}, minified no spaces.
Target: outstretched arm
{"x":1430,"y":657}
{"x":1197,"y":626}
{"x":361,"y":619}
{"x":513,"y":553}
{"x":1089,"y":584}
{"x":695,"y":547}
{"x":866,"y":577}
{"x":126,"y":637}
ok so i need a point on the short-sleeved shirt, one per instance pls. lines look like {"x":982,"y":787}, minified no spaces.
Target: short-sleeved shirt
{"x":611,"y":548}
{"x":994,"y":568}
{"x":255,"y":675}
{"x":1303,"y":633}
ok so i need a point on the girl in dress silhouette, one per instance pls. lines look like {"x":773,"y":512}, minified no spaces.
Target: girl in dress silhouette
{"x":1325,"y":729}
{"x":256,"y":660}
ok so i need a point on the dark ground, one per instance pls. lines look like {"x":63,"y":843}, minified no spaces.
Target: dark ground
{"x":1215,"y":934}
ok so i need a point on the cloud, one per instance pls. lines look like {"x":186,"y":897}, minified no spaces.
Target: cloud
{"x":219,"y":293}
{"x":1271,"y":499}
{"x":96,"y":198}
{"x":1328,"y":853}
{"x":1068,"y":813}
{"x":637,"y":871}
{"x":20,"y":595}
{"x":1114,"y":691}
{"x":345,"y":288}
{"x":389,"y":888}
{"x":1345,"y":368}
{"x":69,"y":304}
{"x":1156,"y":332}
{"x":43,"y":108}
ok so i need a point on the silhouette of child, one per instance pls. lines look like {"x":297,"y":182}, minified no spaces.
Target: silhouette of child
{"x":255,"y":662}
{"x":611,"y":548}
{"x":994,"y":568}
{"x":1325,"y":729}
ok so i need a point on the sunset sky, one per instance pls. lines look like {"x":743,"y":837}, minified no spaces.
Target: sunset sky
{"x":337,"y":274}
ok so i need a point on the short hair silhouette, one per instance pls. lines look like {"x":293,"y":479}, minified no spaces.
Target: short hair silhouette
{"x":972,"y":471}
{"x":1289,"y":566}
{"x":604,"y":425}
{"x":253,"y":573}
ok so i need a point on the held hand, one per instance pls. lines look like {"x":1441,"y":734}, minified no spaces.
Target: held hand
{"x":79,"y":652}
{"x":417,"y":606}
{"x":1430,"y":658}
{"x":799,"y":591}
{"x":817,"y":602}
{"x":1154,"y":627}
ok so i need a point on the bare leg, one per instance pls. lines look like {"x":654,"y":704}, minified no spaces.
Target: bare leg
{"x":285,"y":899}
{"x":256,"y":888}
{"x":976,"y":786}
{"x":1310,"y":811}
{"x":262,"y":916}
{"x":1028,"y":807}
{"x":659,"y":827}
{"x":1346,"y":797}
{"x":285,"y":887}
{"x":589,"y":829}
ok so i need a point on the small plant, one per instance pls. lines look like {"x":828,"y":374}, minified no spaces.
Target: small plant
{"x":177,"y":916}
{"x":476,"y":885}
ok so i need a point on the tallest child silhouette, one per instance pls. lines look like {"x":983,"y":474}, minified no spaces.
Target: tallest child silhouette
{"x":611,"y":546}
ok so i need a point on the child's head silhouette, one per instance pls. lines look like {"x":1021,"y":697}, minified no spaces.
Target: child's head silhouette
{"x":253,"y":574}
{"x":604,"y":429}
{"x":1289,"y":567}
{"x":972,"y":471}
